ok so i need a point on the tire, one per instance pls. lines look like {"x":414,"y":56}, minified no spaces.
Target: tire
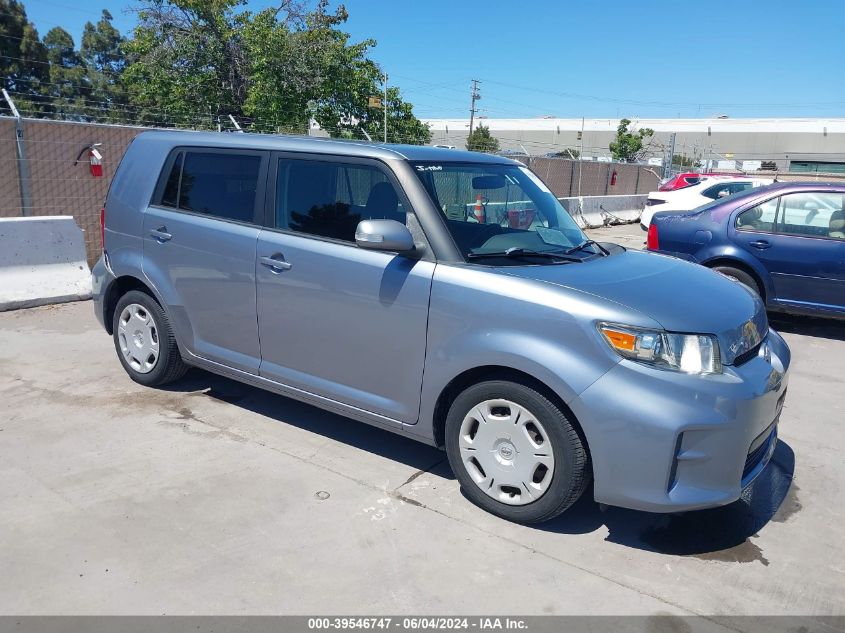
{"x":142,"y":330}
{"x":741,"y":276}
{"x":534,"y":416}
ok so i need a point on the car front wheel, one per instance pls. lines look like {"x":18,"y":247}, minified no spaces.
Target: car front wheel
{"x":514,"y":452}
{"x":741,"y":276}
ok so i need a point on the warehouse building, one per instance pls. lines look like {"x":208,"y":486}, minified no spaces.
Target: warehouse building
{"x":796,"y":145}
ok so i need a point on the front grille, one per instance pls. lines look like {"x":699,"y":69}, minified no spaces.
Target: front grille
{"x":748,"y":355}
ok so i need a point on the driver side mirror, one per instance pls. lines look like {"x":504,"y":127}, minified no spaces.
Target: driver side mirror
{"x":384,"y":235}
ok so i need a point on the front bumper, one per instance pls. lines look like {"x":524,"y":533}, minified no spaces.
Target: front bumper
{"x":662,"y":441}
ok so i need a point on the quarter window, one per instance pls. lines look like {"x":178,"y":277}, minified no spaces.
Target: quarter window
{"x":759,"y":218}
{"x":812,"y":214}
{"x":328,"y":199}
{"x":222,"y":185}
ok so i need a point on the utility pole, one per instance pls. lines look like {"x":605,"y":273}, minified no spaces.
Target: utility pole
{"x":384,"y":106}
{"x":23,"y":166}
{"x":668,"y":170}
{"x":581,"y":156}
{"x":475,"y":97}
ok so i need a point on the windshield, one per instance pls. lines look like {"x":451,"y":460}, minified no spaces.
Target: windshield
{"x":502,"y":209}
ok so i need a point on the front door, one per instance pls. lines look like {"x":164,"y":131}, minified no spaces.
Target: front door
{"x":342,"y":322}
{"x":199,"y":251}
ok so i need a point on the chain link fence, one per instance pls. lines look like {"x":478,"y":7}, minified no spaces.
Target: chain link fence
{"x":54,"y":182}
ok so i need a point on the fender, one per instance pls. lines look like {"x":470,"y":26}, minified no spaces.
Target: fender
{"x":561,"y":368}
{"x":156,"y":278}
{"x":739,"y":255}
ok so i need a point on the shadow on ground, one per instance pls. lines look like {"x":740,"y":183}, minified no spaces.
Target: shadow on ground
{"x":723,"y":534}
{"x":336,"y":427}
{"x":833,"y":329}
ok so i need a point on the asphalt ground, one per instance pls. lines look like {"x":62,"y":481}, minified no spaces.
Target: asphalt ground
{"x":212,"y":497}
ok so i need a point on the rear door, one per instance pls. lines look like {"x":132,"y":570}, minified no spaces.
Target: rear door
{"x":795,"y":237}
{"x":345,"y":323}
{"x":200,"y":236}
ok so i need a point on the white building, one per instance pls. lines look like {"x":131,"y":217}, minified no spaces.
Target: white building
{"x":809,"y":145}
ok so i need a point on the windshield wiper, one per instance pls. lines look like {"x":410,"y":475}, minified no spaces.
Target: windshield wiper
{"x":525,"y":253}
{"x":588,"y":243}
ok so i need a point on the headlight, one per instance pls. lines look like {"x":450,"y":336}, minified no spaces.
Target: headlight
{"x":689,"y":353}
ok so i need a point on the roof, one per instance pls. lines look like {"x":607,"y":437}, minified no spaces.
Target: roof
{"x":762,"y":125}
{"x":806,"y":184}
{"x":781,"y":186}
{"x":318,"y":145}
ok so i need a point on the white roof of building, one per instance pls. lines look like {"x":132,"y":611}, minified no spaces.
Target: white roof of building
{"x":833,"y":125}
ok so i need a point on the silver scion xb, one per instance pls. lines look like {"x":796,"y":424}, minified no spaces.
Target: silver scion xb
{"x":448,"y":296}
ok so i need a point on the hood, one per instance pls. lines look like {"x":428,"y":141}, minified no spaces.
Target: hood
{"x":681,"y":296}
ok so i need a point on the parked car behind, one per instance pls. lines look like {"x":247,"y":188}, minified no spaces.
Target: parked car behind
{"x":684,"y":180}
{"x":785,"y":241}
{"x":707,"y":189}
{"x":370,"y":281}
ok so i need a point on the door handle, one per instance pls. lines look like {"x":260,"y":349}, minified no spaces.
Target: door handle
{"x":275,"y":263}
{"x":161,"y":234}
{"x":761,"y":244}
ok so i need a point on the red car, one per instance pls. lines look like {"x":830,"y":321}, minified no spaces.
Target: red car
{"x":686,"y":180}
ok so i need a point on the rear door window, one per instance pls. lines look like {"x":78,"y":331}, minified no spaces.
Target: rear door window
{"x":811,"y":214}
{"x":328,"y":198}
{"x":723,"y":190}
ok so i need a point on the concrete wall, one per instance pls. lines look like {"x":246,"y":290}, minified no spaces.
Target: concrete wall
{"x":42,"y":261}
{"x":595,"y":211}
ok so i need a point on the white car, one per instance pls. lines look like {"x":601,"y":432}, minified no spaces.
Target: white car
{"x":708,"y":189}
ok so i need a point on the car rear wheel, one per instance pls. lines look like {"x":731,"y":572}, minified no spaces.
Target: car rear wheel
{"x":144,"y":341}
{"x":514,"y":452}
{"x":741,"y":276}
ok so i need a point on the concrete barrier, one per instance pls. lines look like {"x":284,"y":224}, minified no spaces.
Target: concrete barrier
{"x":595,"y":211}
{"x":42,"y":261}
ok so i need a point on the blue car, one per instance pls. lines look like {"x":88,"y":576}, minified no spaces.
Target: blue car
{"x":785,"y":241}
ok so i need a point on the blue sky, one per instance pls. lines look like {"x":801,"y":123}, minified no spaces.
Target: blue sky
{"x":595,"y":59}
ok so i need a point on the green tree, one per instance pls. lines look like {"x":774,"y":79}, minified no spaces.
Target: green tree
{"x":301,"y":64}
{"x":296,"y":58}
{"x":192,"y":62}
{"x":186,"y":62}
{"x":681,"y":160}
{"x":23,"y":59}
{"x":68,"y":89}
{"x":402,"y":125}
{"x":572,"y":154}
{"x":482,"y":141}
{"x":102,"y":52}
{"x":629,"y":145}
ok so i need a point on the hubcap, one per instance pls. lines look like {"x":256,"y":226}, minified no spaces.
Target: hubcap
{"x":507,"y":452}
{"x":137,"y":335}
